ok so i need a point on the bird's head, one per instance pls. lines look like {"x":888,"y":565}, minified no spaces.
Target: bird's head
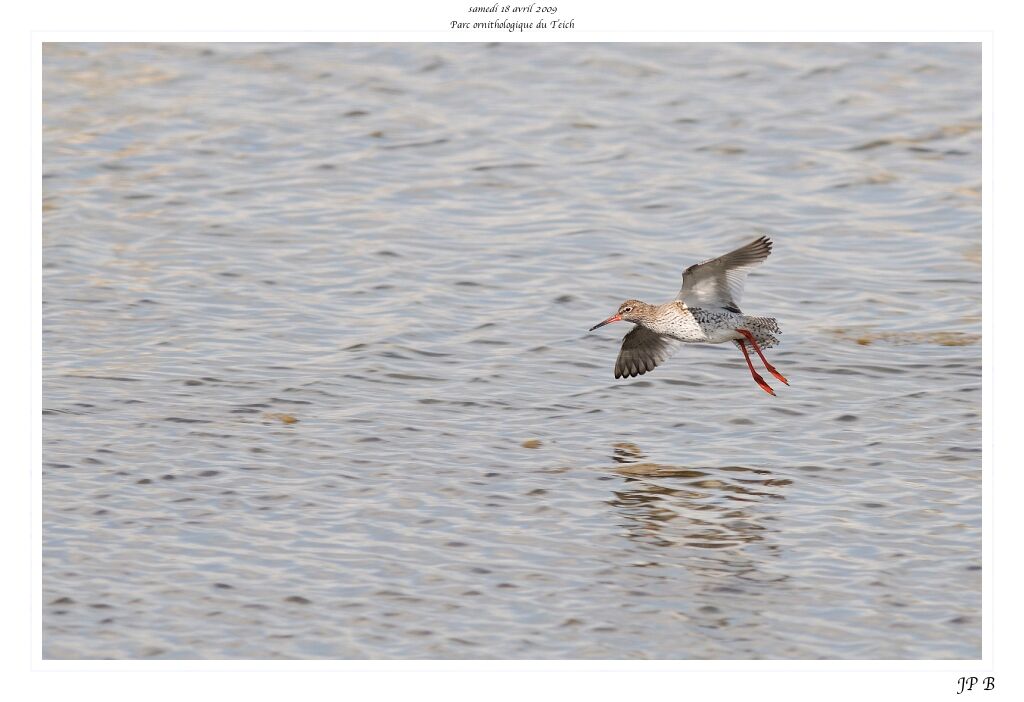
{"x":629,"y":311}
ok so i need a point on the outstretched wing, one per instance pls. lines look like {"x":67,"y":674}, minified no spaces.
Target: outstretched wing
{"x":718,"y":282}
{"x":642,"y":350}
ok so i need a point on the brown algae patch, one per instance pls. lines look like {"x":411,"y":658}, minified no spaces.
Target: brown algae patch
{"x":973,"y":254}
{"x":866,"y":337}
{"x":281,"y":417}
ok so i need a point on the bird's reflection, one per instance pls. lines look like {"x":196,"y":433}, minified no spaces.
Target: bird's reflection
{"x":716,"y":524}
{"x":701,"y":507}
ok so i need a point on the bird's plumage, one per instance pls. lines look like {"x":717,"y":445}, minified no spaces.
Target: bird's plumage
{"x":718,"y":282}
{"x":706,"y":310}
{"x":642,"y":350}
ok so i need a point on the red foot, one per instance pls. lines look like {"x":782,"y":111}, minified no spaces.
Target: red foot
{"x":769,"y":366}
{"x":757,"y":378}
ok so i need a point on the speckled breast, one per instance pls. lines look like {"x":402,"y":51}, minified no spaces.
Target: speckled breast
{"x":696,"y":325}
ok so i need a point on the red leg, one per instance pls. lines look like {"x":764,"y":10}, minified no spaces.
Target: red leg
{"x":757,"y":378}
{"x":769,"y":366}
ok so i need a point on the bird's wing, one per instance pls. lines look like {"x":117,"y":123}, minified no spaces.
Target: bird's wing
{"x":641,"y":351}
{"x":718,"y":282}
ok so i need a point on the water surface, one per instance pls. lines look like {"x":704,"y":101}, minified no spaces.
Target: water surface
{"x":317,"y":381}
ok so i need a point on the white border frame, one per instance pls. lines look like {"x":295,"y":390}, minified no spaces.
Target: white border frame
{"x":954,"y":668}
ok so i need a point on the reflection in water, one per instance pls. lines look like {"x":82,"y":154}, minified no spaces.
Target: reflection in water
{"x":714,"y":521}
{"x":706,"y":507}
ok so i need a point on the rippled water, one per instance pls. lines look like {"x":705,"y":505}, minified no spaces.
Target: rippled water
{"x":317,"y":380}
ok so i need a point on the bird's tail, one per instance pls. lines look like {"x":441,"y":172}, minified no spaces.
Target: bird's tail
{"x":764,"y":330}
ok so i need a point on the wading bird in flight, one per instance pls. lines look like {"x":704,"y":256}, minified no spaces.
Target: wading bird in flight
{"x":706,"y":311}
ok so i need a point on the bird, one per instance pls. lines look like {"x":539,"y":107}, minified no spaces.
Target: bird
{"x":706,"y":311}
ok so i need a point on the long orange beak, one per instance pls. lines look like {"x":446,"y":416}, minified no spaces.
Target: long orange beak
{"x":613,"y":318}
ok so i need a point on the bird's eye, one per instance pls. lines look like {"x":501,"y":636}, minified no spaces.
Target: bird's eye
{"x":627,"y":309}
